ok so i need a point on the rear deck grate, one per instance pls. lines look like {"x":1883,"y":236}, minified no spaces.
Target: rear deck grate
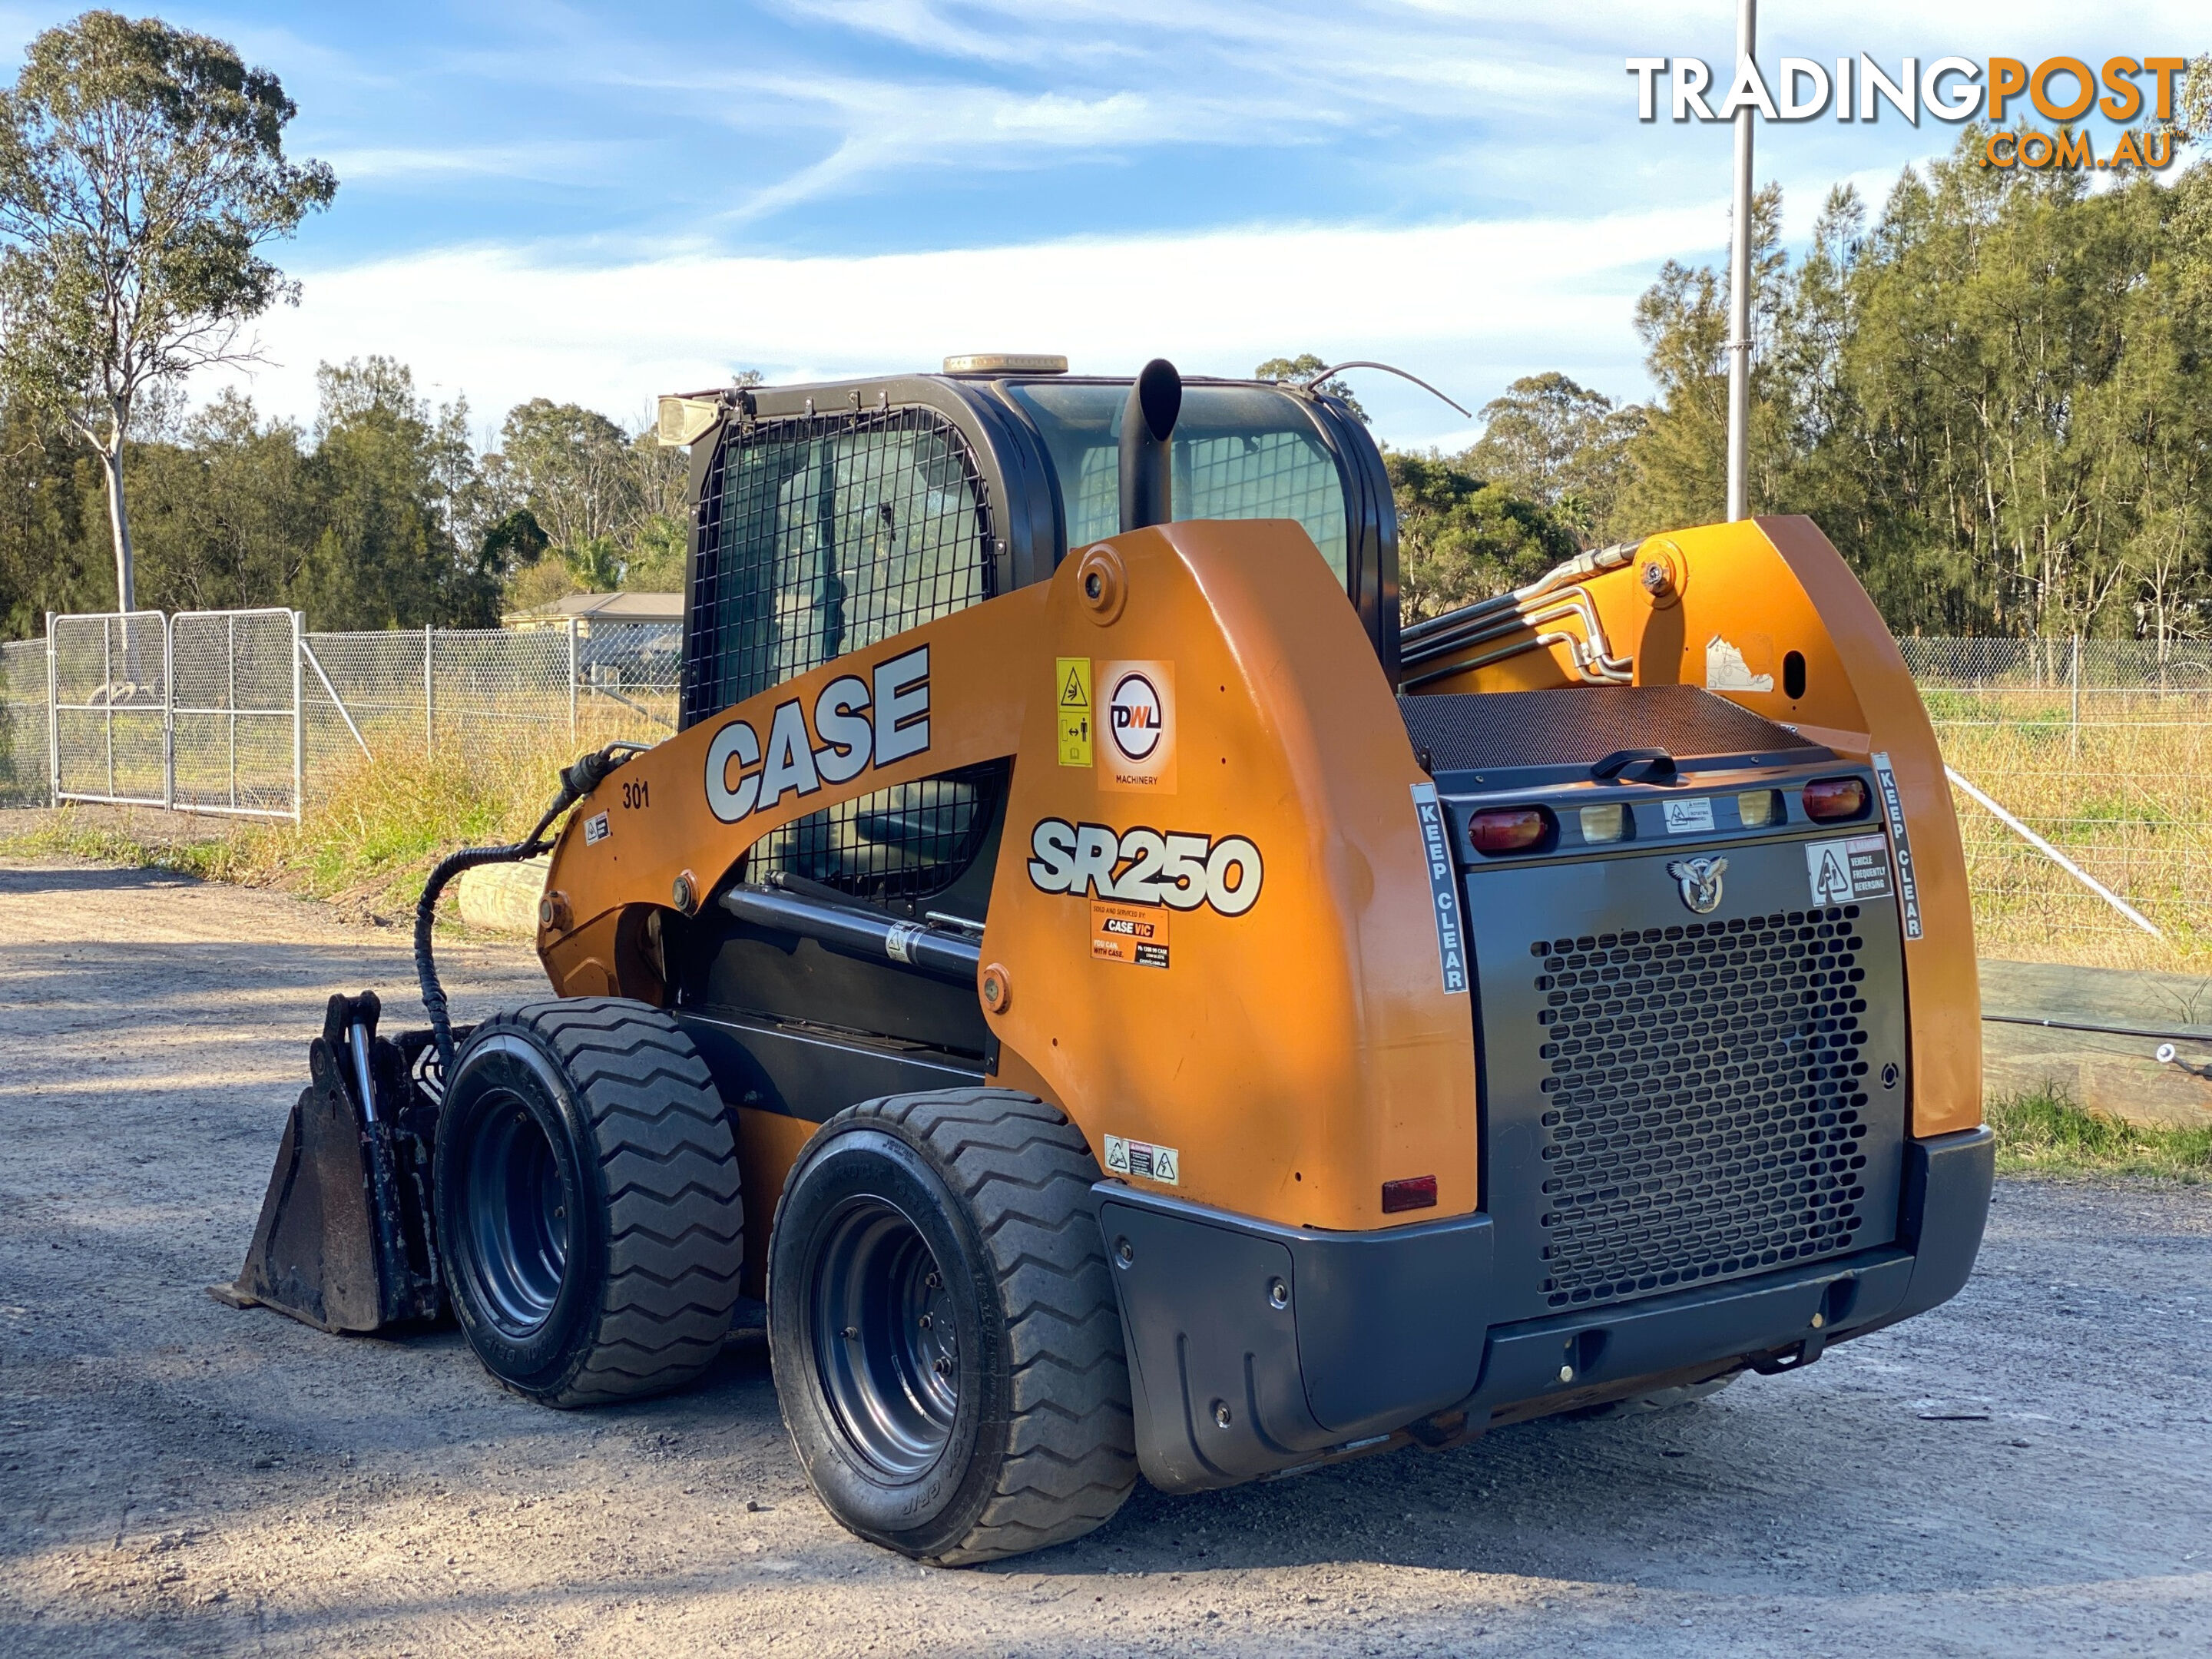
{"x":1703,"y":1117}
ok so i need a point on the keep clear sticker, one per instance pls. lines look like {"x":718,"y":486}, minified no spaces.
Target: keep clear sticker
{"x":1443,"y":886}
{"x":1844,"y":872}
{"x":1143,"y":1159}
{"x":1893,"y":808}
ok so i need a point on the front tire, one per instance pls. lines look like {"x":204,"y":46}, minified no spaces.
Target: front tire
{"x":587,"y":1202}
{"x":946,"y":1344}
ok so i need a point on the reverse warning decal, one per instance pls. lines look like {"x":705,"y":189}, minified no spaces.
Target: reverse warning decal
{"x":1844,"y":872}
{"x":1145,"y":866}
{"x":1142,"y":1158}
{"x":857,"y":724}
{"x":1133,"y":933}
{"x":1138,"y":754}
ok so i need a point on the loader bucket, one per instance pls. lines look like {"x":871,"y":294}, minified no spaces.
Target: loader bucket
{"x":343,"y":1242}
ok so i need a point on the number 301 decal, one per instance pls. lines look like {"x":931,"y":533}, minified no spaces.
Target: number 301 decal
{"x":1143,"y":866}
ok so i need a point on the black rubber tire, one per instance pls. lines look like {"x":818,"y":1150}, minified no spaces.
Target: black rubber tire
{"x":587,"y":1198}
{"x":1039,"y":1446}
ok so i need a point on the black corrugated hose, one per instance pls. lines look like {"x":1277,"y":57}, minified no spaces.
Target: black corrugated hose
{"x":576,"y":781}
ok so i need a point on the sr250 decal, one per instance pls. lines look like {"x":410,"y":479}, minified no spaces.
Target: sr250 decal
{"x":859,"y":725}
{"x":1181,"y":871}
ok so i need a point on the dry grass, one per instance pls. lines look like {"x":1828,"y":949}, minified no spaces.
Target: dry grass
{"x":369,"y":836}
{"x":2126,"y":794}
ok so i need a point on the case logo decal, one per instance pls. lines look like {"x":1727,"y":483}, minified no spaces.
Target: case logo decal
{"x":1145,"y":866}
{"x":859,"y":723}
{"x":1139,"y":717}
{"x":1701,"y":883}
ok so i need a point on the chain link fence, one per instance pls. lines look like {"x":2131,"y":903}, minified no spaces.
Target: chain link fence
{"x":25,"y":772}
{"x":2097,"y":749}
{"x":2091,"y":754}
{"x":197,"y":711}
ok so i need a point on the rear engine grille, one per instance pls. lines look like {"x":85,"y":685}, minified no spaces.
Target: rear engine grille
{"x":1703,"y":1118}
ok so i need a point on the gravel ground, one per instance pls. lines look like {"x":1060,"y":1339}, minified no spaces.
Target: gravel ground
{"x":2023,"y":1471}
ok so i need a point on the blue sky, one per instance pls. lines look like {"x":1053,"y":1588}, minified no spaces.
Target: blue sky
{"x":603,"y":202}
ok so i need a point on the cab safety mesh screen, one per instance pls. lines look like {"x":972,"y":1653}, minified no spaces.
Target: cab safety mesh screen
{"x":821,"y":535}
{"x":909,"y":842}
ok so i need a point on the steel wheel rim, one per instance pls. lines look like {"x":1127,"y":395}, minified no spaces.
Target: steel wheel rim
{"x":885,"y":1345}
{"x":516,"y":1226}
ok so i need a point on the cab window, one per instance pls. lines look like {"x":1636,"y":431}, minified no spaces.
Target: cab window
{"x":1241,"y":452}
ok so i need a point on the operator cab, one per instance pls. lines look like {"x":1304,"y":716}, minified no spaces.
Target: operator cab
{"x":828,"y":517}
{"x":834,"y":515}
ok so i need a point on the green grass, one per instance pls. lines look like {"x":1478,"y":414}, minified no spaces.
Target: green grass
{"x":2044,"y":1133}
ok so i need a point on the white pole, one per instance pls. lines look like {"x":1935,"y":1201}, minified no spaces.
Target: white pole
{"x":299,"y":717}
{"x":1739,"y":347}
{"x":2074,"y":740}
{"x":572,"y":680}
{"x":53,"y":721}
{"x":429,"y":700}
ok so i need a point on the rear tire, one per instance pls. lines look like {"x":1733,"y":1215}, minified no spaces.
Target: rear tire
{"x":946,"y":1343}
{"x":588,"y":1200}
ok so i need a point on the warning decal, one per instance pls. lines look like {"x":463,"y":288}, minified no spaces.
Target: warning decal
{"x":1844,"y":872}
{"x":595,"y":829}
{"x":1134,"y":933}
{"x":1893,"y":808}
{"x":1443,"y":887}
{"x":1073,"y":676}
{"x":1142,"y":1158}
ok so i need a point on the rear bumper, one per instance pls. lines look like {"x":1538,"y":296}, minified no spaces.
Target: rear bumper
{"x":1255,"y":1348}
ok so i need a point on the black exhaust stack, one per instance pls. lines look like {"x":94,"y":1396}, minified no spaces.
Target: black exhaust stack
{"x":1147,"y":455}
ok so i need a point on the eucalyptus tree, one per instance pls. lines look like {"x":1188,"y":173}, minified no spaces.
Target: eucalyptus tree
{"x":142,"y":173}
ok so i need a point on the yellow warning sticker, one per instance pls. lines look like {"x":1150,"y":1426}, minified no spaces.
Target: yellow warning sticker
{"x":1071,"y":675}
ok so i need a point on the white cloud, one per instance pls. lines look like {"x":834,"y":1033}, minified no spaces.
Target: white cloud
{"x":1467,"y":305}
{"x":558,"y":162}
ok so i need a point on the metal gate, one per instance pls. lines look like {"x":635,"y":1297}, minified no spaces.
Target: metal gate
{"x":199,"y":712}
{"x":108,"y":680}
{"x":236,"y":744}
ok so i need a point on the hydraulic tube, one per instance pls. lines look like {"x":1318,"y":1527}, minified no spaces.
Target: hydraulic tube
{"x":937,"y":951}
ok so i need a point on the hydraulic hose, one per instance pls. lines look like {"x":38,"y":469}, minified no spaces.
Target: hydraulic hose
{"x":576,"y":781}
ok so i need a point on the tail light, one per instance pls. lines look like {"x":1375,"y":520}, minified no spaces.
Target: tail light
{"x":1755,"y":808}
{"x":1509,"y":829}
{"x":1827,"y":800}
{"x":1416,"y":1193}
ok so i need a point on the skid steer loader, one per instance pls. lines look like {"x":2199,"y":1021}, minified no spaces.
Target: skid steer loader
{"x":1127,"y":1004}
